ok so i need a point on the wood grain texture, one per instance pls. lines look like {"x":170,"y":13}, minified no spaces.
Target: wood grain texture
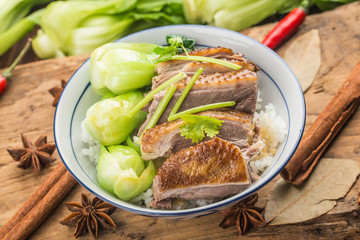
{"x":26,"y":107}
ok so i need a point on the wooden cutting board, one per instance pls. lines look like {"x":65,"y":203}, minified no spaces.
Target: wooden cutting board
{"x":26,"y":108}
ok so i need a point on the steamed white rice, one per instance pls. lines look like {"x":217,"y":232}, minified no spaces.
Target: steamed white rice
{"x":273,"y":132}
{"x":92,"y":151}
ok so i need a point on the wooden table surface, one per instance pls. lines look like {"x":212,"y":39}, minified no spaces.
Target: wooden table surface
{"x":26,"y":108}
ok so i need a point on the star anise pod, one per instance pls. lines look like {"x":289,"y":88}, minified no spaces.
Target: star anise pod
{"x":242,"y":214}
{"x":36,"y":155}
{"x":89,"y":216}
{"x":56,"y":92}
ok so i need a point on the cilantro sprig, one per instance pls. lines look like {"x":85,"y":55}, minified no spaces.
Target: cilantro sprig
{"x":183,"y":44}
{"x":196,"y":126}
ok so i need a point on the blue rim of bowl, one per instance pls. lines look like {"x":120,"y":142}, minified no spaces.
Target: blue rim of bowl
{"x":208,"y":208}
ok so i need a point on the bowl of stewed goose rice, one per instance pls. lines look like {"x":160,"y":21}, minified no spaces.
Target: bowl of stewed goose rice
{"x":212,"y":124}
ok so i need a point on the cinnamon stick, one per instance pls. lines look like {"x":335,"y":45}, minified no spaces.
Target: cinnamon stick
{"x":39,"y":205}
{"x":323,"y":130}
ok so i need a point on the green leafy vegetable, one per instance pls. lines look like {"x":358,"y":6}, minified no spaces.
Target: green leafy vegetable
{"x":65,"y":22}
{"x":15,"y":21}
{"x":78,"y":27}
{"x":201,"y":109}
{"x":122,"y":67}
{"x":196,"y":126}
{"x":165,"y":53}
{"x":108,"y":95}
{"x":234,"y":14}
{"x":121,"y":171}
{"x":133,"y":145}
{"x":128,"y":185}
{"x":9,"y":37}
{"x":324,"y":5}
{"x":183,"y":44}
{"x":107,"y":120}
{"x":12,"y":11}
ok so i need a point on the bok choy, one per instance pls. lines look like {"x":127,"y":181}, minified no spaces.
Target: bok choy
{"x":78,"y":27}
{"x":121,"y":171}
{"x":122,"y":67}
{"x":107,"y":120}
{"x":15,"y":21}
{"x":234,"y":14}
{"x":12,"y":11}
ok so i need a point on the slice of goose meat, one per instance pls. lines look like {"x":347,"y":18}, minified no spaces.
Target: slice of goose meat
{"x":214,"y":168}
{"x":165,"y":139}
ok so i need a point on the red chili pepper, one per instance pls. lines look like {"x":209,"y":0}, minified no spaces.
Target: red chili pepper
{"x":4,"y":76}
{"x":287,"y":26}
{"x":3,"y":84}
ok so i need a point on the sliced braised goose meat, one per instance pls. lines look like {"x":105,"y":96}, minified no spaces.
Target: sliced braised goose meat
{"x":168,"y":69}
{"x":165,"y":139}
{"x":238,"y":86}
{"x":214,"y":168}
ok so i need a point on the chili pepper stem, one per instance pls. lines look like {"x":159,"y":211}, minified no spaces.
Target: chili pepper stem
{"x":7,"y":73}
{"x":305,"y":5}
{"x":287,"y":26}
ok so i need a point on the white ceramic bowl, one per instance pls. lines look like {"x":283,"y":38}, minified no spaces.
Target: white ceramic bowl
{"x":277,"y":84}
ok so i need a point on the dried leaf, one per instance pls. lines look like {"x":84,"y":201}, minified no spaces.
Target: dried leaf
{"x":304,"y":57}
{"x":331,"y":180}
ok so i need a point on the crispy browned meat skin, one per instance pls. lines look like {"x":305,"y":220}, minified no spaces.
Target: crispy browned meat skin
{"x":212,"y":52}
{"x":165,"y":139}
{"x":168,"y":69}
{"x":214,"y":168}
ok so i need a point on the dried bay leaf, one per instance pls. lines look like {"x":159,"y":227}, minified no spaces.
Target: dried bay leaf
{"x":304,"y":57}
{"x":331,"y":180}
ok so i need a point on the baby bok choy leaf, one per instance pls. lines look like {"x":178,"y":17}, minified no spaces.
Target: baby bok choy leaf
{"x":15,"y":22}
{"x":122,"y":67}
{"x":121,"y":171}
{"x":78,"y":27}
{"x":11,"y":12}
{"x":128,"y":185}
{"x":75,"y":27}
{"x":107,"y":120}
{"x":234,"y":14}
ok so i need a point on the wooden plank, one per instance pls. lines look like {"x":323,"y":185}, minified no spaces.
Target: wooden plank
{"x":26,"y":107}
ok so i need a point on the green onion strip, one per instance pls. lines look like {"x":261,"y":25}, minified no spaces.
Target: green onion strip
{"x":150,"y":95}
{"x":162,"y":105}
{"x":160,"y":109}
{"x":207,"y":59}
{"x":201,"y":109}
{"x":186,"y":91}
